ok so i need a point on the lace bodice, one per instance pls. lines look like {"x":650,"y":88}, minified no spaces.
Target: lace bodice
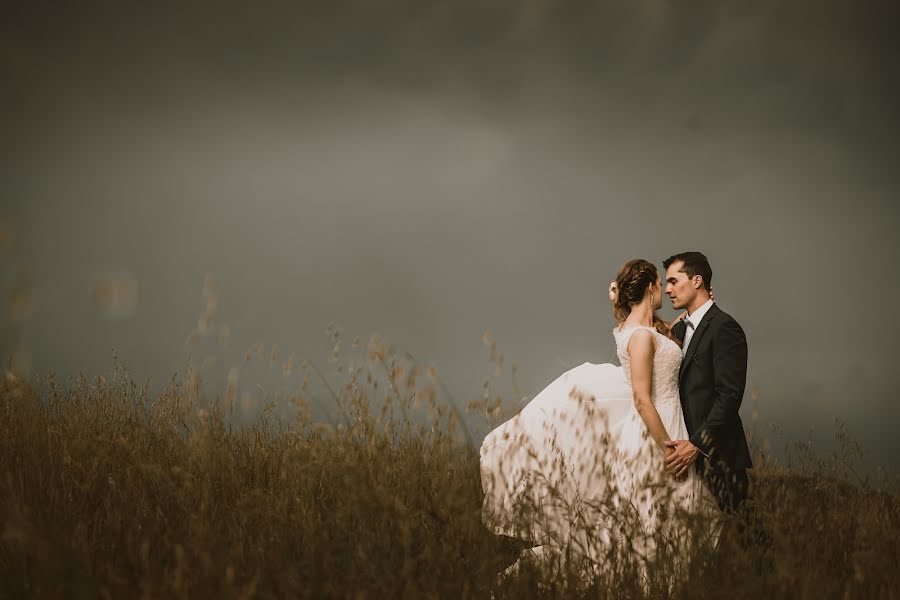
{"x":666,"y":363}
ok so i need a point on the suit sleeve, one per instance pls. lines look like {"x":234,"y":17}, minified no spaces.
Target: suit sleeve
{"x":730,"y":372}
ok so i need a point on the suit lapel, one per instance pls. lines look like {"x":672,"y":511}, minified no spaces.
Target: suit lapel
{"x":678,"y":330}
{"x":695,"y":339}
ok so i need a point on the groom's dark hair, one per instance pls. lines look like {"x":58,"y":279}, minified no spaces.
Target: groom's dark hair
{"x":695,"y":263}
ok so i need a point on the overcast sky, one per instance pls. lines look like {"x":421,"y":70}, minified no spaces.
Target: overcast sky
{"x":431,"y":170}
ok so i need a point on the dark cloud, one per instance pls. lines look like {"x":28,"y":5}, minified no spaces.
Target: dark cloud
{"x":433,"y":169}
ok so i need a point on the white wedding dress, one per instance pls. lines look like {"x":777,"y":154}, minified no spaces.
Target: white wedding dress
{"x":576,"y":471}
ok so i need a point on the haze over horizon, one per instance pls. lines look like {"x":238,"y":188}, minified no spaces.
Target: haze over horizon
{"x":432,"y":170}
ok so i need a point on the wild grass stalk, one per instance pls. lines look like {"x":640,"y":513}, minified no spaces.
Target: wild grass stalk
{"x":107,"y":492}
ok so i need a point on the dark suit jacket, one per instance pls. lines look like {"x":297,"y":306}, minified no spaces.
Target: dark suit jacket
{"x":711,"y":384}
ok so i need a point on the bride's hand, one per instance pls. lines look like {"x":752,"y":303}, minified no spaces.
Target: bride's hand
{"x":667,"y":452}
{"x":684,"y":455}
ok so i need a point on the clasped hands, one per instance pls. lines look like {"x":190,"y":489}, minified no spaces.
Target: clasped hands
{"x":682,"y":456}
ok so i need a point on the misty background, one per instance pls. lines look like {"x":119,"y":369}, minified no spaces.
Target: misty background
{"x":430,"y":170}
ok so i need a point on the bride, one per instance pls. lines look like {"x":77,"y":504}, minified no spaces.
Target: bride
{"x":580,"y":471}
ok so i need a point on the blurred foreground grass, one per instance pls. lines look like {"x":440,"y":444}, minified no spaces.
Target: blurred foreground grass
{"x":107,"y":492}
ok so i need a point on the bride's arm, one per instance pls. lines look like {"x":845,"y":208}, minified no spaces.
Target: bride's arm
{"x":680,"y":317}
{"x":641,"y":348}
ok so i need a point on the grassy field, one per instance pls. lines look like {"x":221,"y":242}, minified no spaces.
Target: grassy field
{"x":107,"y":492}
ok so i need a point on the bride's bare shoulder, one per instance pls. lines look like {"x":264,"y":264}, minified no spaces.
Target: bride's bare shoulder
{"x":641,"y":341}
{"x":627,"y":333}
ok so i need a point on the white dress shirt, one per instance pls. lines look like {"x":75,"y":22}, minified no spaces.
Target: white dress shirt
{"x":692,"y":321}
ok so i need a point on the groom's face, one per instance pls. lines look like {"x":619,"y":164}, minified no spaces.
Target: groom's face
{"x":679,"y":288}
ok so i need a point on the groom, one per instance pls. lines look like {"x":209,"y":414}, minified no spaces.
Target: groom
{"x":711,"y":383}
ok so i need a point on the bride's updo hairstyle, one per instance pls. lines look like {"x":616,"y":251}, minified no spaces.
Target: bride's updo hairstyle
{"x":632,"y":282}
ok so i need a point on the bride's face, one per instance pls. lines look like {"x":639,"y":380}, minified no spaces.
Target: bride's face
{"x":657,"y":294}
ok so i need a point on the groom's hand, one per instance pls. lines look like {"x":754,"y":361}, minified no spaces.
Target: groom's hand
{"x":682,"y":457}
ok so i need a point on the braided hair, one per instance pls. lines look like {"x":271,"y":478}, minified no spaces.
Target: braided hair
{"x":631,"y":285}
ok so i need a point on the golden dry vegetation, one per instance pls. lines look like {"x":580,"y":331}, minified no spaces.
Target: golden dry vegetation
{"x":107,"y":492}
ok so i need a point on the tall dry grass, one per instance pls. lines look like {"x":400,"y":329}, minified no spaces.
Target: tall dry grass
{"x":107,"y":492}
